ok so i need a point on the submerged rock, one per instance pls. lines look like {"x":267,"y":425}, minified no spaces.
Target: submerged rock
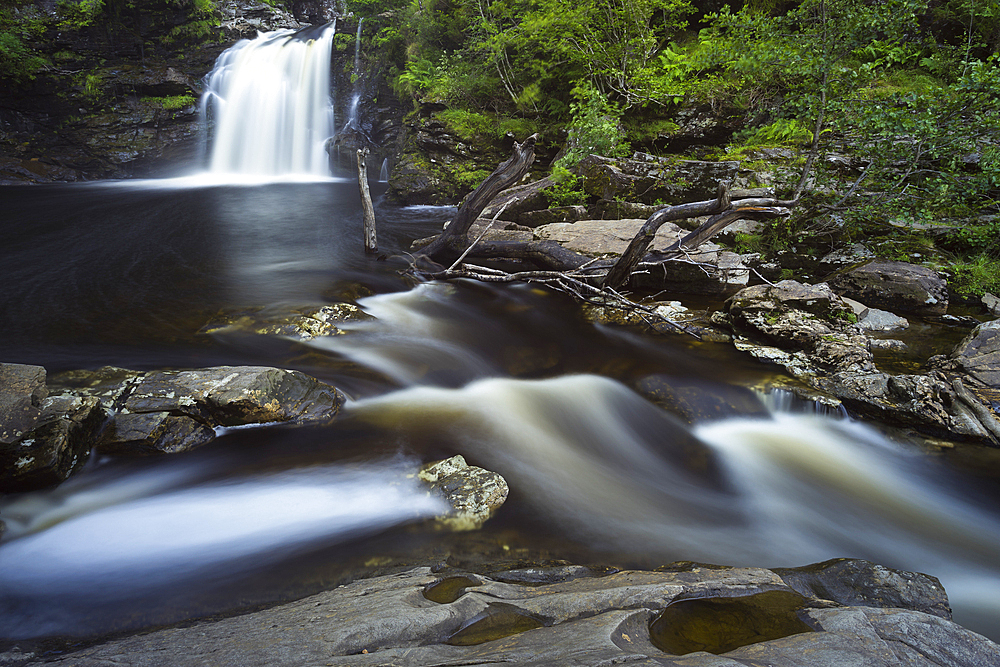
{"x":745,"y":616}
{"x":474,"y":494}
{"x":300,"y":322}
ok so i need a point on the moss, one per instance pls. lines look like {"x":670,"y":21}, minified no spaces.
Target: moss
{"x":170,"y":103}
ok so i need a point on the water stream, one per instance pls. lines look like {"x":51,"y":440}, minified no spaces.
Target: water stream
{"x":511,"y":377}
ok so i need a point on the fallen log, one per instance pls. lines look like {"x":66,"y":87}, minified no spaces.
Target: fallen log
{"x":507,"y":174}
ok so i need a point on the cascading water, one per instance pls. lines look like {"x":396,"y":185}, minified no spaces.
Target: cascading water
{"x":268,"y":101}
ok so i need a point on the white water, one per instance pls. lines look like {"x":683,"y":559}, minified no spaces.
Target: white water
{"x":100,"y":538}
{"x":269,"y":101}
{"x":616,"y":472}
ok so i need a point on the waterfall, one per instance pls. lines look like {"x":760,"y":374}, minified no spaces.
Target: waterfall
{"x":383,"y":175}
{"x":357,"y":47}
{"x":269,"y":100}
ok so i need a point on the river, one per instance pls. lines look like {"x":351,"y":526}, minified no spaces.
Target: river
{"x":512,"y":377}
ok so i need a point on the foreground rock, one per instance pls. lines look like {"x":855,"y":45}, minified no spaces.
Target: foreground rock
{"x":43,"y":439}
{"x":475,"y":494}
{"x":830,"y":614}
{"x":125,"y":412}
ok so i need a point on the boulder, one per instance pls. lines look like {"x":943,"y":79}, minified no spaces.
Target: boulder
{"x":894,"y":286}
{"x":810,"y":321}
{"x":550,"y":215}
{"x":474,"y":494}
{"x":991,"y":303}
{"x":926,"y":402}
{"x":979,"y":354}
{"x":654,"y":180}
{"x":57,"y":445}
{"x":22,"y":389}
{"x":172,"y":411}
{"x":678,"y":617}
{"x":707,"y":270}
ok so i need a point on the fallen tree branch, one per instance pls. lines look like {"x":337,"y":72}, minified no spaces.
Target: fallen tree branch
{"x":723,"y":211}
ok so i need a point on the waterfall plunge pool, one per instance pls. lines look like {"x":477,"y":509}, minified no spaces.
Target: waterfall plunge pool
{"x":511,"y":377}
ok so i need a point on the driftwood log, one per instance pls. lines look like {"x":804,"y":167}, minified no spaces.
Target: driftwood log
{"x":371,"y":243}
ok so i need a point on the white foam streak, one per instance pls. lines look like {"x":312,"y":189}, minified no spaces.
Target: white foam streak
{"x":145,"y":531}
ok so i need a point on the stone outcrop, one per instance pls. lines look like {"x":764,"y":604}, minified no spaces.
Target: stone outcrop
{"x":708,"y":270}
{"x":979,"y":354}
{"x":814,"y":335}
{"x":43,"y":439}
{"x":648,"y":179}
{"x":474,"y":494}
{"x":894,"y":286}
{"x":687,"y":615}
{"x":125,"y":412}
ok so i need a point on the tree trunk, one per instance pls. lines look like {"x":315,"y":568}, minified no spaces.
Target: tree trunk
{"x":506,"y":175}
{"x":371,"y":243}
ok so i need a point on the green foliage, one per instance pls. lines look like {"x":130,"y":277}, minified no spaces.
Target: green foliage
{"x":975,"y":276}
{"x":77,"y":14}
{"x":469,"y":180}
{"x":595,"y":128}
{"x":568,"y":188}
{"x":782,"y":132}
{"x":17,"y":60}
{"x":170,"y":103}
{"x":470,"y":126}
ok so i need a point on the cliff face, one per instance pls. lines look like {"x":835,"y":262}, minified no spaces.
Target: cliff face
{"x":116,"y":95}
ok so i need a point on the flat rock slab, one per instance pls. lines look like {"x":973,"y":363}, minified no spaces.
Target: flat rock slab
{"x":389,"y":620}
{"x":605,"y":237}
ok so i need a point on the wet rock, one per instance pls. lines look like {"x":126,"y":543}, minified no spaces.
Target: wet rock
{"x":57,"y":446}
{"x":474,"y":494}
{"x":583,"y":621}
{"x":237,"y":395}
{"x":696,"y":402}
{"x":853,"y":582}
{"x":172,"y":411}
{"x":806,"y":319}
{"x":925,"y":402}
{"x":22,"y":389}
{"x":154,"y":433}
{"x":300,"y":322}
{"x":979,"y":354}
{"x":895,"y":286}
